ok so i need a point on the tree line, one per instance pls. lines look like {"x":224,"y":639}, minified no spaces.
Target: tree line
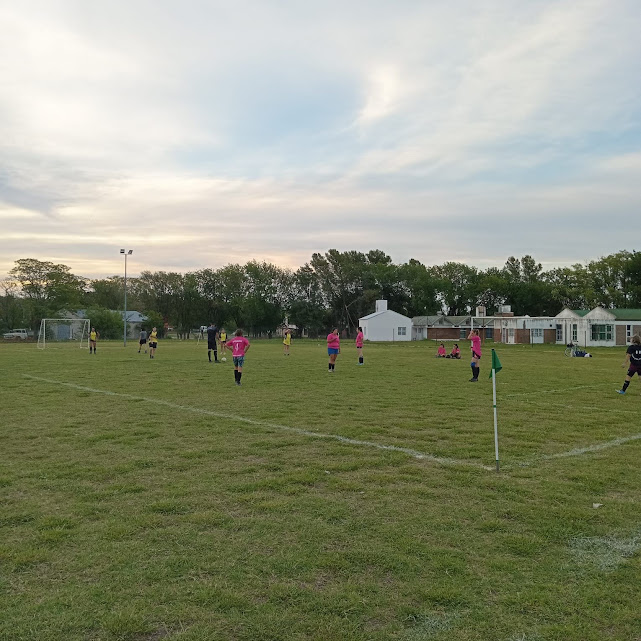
{"x":332,"y":289}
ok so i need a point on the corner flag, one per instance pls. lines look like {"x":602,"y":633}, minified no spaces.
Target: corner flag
{"x":496,"y":364}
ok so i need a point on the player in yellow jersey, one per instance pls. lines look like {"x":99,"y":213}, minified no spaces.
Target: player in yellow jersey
{"x":153,"y":342}
{"x":222,"y":338}
{"x":287,"y":341}
{"x":93,"y":337}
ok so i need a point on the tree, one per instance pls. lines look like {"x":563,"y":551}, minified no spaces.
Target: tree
{"x":49,"y":287}
{"x":109,"y":293}
{"x":108,"y":323}
{"x":457,"y":287}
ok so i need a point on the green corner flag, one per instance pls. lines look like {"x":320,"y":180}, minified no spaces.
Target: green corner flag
{"x":496,"y":363}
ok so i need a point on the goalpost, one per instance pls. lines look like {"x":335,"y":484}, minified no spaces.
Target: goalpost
{"x":64,"y":330}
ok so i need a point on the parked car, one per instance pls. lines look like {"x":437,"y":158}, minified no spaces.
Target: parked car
{"x":15,"y":334}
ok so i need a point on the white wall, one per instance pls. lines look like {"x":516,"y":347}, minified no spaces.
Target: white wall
{"x":386,"y":326}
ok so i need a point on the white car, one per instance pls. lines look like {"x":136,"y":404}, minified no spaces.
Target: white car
{"x":14,"y":334}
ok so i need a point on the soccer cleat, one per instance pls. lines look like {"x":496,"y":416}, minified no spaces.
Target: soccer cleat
{"x":620,"y":391}
{"x":474,"y":380}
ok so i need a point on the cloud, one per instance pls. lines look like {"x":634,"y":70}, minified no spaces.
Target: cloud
{"x":225,"y":133}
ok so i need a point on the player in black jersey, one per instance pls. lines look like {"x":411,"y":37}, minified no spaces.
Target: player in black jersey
{"x":632,"y":362}
{"x":212,"y":342}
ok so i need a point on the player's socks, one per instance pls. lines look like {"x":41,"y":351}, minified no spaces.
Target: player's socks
{"x":360,"y":360}
{"x":216,"y":355}
{"x":209,"y":355}
{"x":329,"y":367}
{"x":240,"y":375}
{"x":625,"y":386}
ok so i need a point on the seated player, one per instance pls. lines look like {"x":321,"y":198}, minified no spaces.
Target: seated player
{"x":441,"y":351}
{"x":455,"y":353}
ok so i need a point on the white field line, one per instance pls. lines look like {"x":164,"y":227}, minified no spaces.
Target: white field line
{"x":579,"y":451}
{"x":296,"y":430}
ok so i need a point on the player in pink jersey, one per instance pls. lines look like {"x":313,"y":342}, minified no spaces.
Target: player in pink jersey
{"x":476,"y":354}
{"x":359,"y":345}
{"x":441,"y":351}
{"x":240,"y":346}
{"x":333,"y":348}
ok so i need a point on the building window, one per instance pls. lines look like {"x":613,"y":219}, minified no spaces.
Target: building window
{"x":628,"y":333}
{"x":489,"y":332}
{"x":537,"y":332}
{"x":559,"y":333}
{"x":462,"y":335}
{"x":402,"y":331}
{"x":575,"y":333}
{"x":601,"y":332}
{"x":510,"y":332}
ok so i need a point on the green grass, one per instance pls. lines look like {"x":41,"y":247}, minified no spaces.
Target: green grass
{"x":153,"y":513}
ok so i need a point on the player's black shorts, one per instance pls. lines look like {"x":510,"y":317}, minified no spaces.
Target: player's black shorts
{"x":475,"y":355}
{"x":212,"y":346}
{"x":143,"y":341}
{"x":634,"y":369}
{"x":154,"y":345}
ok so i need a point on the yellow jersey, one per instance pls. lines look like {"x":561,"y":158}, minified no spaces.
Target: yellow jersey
{"x":92,"y":336}
{"x":223,"y":336}
{"x":153,"y":337}
{"x":287,"y":340}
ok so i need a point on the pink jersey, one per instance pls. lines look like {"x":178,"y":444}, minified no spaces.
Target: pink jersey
{"x":441,"y":351}
{"x":359,"y":339}
{"x":476,"y":344}
{"x":238,"y":344}
{"x":333,"y":341}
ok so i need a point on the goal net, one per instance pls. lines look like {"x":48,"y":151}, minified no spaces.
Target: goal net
{"x":59,"y":331}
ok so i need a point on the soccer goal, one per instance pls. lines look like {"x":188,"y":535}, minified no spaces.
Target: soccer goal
{"x":58,"y":331}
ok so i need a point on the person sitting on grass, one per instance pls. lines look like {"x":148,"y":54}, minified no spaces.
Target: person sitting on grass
{"x":441,"y":351}
{"x":455,"y":353}
{"x":632,"y":362}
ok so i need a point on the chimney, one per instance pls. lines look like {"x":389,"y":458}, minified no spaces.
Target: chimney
{"x":381,"y":305}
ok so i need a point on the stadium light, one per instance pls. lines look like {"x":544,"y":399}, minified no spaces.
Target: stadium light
{"x":126,"y":253}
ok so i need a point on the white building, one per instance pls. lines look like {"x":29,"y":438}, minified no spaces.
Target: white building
{"x":386,"y":325}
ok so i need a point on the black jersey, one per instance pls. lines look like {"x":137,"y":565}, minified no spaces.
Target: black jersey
{"x":635,"y":354}
{"x":212,"y":333}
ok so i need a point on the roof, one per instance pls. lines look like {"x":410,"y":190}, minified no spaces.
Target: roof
{"x":372,"y":315}
{"x":626,"y":314}
{"x":580,"y":312}
{"x":380,"y":313}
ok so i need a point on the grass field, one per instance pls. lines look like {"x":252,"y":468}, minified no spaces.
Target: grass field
{"x":146,"y":500}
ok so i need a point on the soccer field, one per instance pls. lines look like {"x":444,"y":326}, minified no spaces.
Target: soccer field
{"x":153,"y":499}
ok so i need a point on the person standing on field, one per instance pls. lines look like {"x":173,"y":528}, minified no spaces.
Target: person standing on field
{"x":153,"y":342}
{"x":632,"y":362}
{"x":359,"y":345}
{"x":333,"y":348}
{"x":143,"y":340}
{"x":476,"y":354}
{"x":93,"y":337}
{"x":222,"y":339}
{"x":212,"y":342}
{"x":240,"y":346}
{"x":287,"y":341}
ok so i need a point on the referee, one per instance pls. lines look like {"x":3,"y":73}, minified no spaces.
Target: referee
{"x":212,"y":342}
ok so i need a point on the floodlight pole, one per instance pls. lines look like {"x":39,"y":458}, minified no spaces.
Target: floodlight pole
{"x":126,"y":253}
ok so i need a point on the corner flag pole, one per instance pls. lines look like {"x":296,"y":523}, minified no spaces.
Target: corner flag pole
{"x":496,"y":365}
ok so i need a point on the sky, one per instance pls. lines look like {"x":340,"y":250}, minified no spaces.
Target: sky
{"x":202,"y":133}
